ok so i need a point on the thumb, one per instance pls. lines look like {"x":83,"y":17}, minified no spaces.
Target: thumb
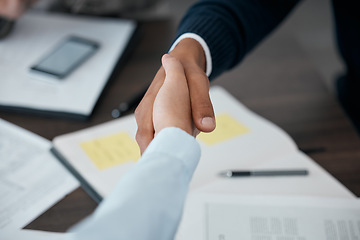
{"x":202,"y":109}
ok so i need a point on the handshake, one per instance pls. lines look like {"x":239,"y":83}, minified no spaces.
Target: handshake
{"x":178,"y":96}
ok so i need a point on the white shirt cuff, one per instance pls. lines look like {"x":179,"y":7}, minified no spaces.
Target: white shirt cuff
{"x":176,"y":143}
{"x":203,"y":45}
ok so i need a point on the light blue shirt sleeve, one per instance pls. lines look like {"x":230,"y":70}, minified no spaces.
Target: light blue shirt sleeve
{"x":148,"y":201}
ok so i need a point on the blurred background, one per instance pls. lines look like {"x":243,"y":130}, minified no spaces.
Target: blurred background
{"x":310,"y":24}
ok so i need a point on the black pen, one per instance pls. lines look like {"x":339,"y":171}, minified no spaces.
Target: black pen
{"x":126,"y":106}
{"x":264,"y":173}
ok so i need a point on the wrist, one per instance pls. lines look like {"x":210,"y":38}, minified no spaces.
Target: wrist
{"x":190,"y":52}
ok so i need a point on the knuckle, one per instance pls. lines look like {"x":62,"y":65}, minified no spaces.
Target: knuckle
{"x":138,"y":137}
{"x":138,"y":113}
{"x":143,"y":134}
{"x":143,"y":139}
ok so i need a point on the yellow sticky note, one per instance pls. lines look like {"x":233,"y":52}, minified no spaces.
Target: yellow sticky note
{"x":227,"y":127}
{"x":106,"y":152}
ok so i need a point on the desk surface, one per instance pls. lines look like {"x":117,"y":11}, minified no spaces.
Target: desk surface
{"x":276,"y":81}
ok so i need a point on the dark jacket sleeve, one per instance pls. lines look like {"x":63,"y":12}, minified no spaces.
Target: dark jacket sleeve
{"x":231,"y":28}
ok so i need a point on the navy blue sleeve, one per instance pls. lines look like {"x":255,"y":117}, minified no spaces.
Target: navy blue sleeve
{"x":231,"y":28}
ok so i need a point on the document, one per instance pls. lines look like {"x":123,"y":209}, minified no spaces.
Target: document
{"x":245,"y":141}
{"x":31,"y":178}
{"x":227,"y":217}
{"x":242,"y":140}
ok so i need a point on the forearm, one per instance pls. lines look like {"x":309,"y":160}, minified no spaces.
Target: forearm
{"x":231,"y":28}
{"x":151,"y":196}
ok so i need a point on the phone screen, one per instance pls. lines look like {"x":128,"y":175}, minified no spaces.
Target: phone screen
{"x":68,"y":55}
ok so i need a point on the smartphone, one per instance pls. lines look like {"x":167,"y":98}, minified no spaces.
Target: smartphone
{"x":65,"y":57}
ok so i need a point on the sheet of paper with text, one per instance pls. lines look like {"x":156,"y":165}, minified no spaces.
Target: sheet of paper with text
{"x":31,"y":178}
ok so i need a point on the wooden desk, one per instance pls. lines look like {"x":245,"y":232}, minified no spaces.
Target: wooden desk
{"x":277,"y":81}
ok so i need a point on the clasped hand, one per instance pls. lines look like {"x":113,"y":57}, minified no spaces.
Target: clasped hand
{"x":178,"y":96}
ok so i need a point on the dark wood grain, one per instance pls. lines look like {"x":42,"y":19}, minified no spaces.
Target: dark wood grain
{"x":277,"y":81}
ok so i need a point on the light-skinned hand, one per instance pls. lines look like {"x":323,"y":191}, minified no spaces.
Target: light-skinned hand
{"x":190,"y":55}
{"x":172,"y":103}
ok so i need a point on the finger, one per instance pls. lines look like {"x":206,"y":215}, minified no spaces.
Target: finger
{"x":172,"y":104}
{"x":143,"y":113}
{"x":174,"y":71}
{"x":202,"y":109}
{"x":175,"y":83}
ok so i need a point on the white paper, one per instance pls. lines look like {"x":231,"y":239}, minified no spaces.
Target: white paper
{"x":31,"y":178}
{"x":265,"y":146}
{"x":284,"y":219}
{"x":34,"y":35}
{"x":230,"y":217}
{"x":264,"y":143}
{"x":317,"y":183}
